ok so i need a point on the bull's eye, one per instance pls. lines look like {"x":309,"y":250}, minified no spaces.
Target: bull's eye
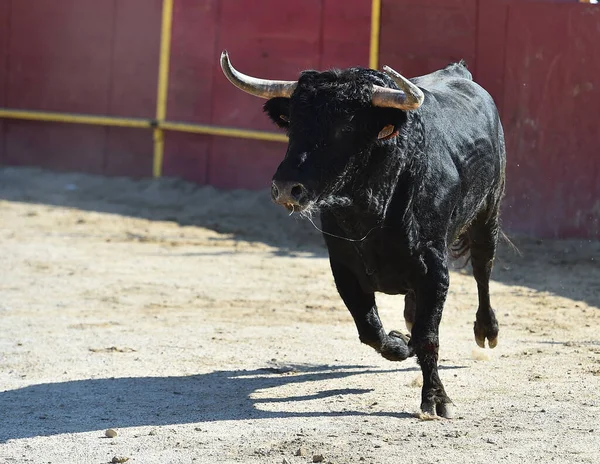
{"x":283,"y":117}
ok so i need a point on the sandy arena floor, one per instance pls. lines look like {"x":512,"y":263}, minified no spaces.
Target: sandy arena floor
{"x":204,"y":327}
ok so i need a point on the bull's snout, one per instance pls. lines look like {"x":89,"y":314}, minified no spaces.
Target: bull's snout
{"x":289,"y":194}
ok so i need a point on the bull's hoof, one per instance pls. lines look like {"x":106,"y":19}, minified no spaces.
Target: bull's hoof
{"x":483,"y":332}
{"x":433,"y":409}
{"x":396,"y":334}
{"x":394,"y":347}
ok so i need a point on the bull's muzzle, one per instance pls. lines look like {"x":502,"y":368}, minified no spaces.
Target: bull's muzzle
{"x":292,"y":195}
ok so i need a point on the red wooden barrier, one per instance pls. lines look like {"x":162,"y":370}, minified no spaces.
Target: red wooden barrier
{"x":539,"y":60}
{"x":276,"y":39}
{"x":79,"y":56}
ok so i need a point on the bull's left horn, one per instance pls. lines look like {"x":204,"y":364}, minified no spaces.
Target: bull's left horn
{"x":409,"y":97}
{"x":262,"y":88}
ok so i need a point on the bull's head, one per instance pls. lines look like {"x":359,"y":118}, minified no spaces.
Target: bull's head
{"x":334,"y":120}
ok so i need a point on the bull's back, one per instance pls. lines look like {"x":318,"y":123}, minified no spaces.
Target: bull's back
{"x":464,"y":142}
{"x":455,"y":106}
{"x":452,"y":71}
{"x":459,"y":115}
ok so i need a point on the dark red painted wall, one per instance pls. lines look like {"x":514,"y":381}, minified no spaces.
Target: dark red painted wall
{"x":102,"y":57}
{"x":80,"y":56}
{"x":540,"y":62}
{"x":552,"y":115}
{"x":272,"y":39}
{"x":538,"y":59}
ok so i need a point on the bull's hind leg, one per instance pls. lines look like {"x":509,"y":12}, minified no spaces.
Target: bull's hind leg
{"x":392,"y":346}
{"x":483,"y":237}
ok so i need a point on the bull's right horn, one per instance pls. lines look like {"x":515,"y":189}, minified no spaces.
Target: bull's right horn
{"x":409,"y":97}
{"x":262,"y":88}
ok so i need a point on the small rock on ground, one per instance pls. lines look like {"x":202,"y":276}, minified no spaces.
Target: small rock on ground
{"x":119,"y":459}
{"x":301,"y":452}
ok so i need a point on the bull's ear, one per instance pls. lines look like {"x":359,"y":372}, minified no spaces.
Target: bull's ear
{"x":387,"y":132}
{"x":388,"y":122}
{"x":278,"y":109}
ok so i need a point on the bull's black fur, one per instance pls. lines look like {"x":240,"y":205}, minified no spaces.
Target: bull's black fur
{"x":404,"y":202}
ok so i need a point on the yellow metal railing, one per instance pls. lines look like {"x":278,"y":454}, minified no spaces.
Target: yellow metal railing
{"x":73,"y":118}
{"x":160,"y":124}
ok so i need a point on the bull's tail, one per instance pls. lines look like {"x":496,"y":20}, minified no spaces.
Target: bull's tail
{"x":461,"y":248}
{"x":509,"y":242}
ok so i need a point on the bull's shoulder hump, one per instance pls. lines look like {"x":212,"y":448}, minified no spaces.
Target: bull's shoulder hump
{"x":452,"y":71}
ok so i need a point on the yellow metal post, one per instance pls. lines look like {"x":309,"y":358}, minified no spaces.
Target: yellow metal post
{"x":375,"y":30}
{"x":163,"y":86}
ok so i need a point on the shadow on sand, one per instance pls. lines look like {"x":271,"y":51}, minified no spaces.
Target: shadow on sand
{"x":95,"y":404}
{"x":240,"y":214}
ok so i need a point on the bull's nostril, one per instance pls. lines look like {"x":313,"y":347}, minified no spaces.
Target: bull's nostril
{"x":274,"y":191}
{"x":297,"y":192}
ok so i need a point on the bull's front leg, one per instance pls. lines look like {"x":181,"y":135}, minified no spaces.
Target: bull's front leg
{"x":431,"y":291}
{"x":393,"y":346}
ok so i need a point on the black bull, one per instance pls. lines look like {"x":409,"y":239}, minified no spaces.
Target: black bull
{"x":403,"y":180}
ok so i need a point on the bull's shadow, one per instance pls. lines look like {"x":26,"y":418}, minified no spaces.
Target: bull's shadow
{"x":96,"y":404}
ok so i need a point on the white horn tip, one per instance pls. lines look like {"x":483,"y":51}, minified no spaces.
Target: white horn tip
{"x":224,"y":61}
{"x":390,"y":71}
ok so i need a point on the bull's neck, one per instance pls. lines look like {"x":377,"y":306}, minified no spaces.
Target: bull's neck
{"x":370,"y":195}
{"x":381,"y":191}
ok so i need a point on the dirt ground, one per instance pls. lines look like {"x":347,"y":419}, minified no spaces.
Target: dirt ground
{"x":204,"y":326}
